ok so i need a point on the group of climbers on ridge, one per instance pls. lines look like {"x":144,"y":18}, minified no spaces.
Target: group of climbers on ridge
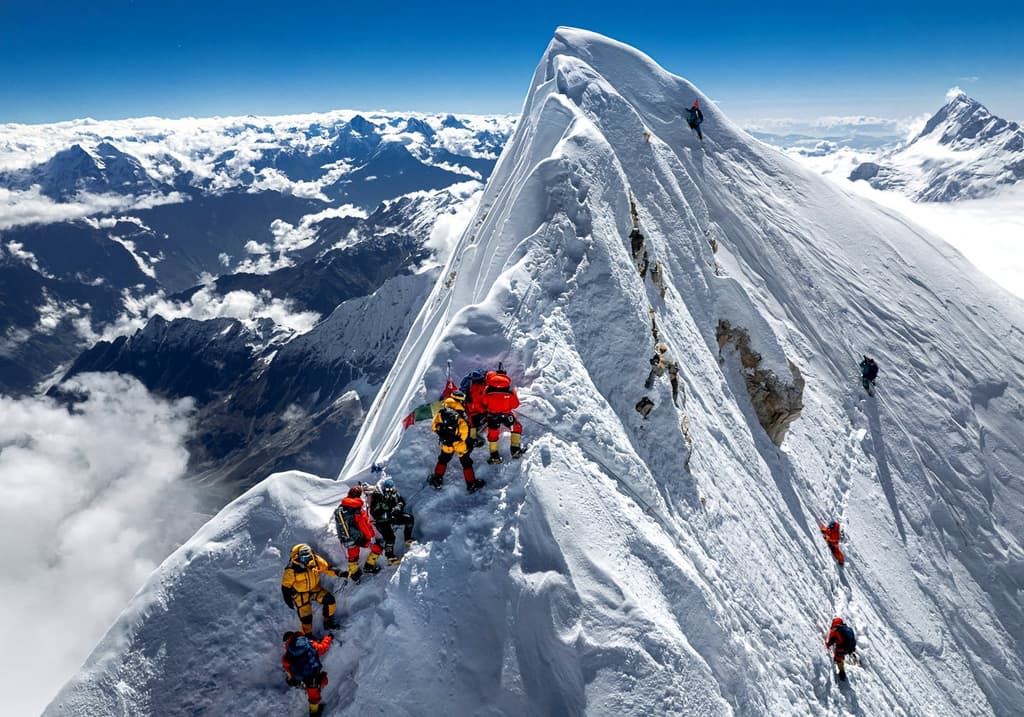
{"x":368,"y":515}
{"x":483,"y":399}
{"x":300,"y":588}
{"x":365,"y":512}
{"x":841,"y":636}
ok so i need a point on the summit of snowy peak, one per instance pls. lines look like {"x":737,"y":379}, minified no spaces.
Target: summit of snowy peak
{"x":963,"y":122}
{"x":75,"y":161}
{"x":415,"y":124}
{"x":75,"y":169}
{"x":646,"y":562}
{"x":962,"y":152}
{"x":362,"y":125}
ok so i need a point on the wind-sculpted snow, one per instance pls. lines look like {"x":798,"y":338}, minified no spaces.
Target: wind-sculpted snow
{"x":671,"y":565}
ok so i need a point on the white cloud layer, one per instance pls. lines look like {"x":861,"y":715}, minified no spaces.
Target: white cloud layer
{"x":205,"y":303}
{"x":31,"y":207}
{"x":91,"y":501}
{"x":837,"y":126}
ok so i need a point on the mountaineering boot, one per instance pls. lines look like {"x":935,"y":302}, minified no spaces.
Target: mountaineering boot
{"x":494,"y":459}
{"x":331,"y":622}
{"x":394,"y":559}
{"x":354,"y":573}
{"x":478,"y":441}
{"x":371,"y":566}
{"x":476,"y":485}
{"x":435,"y":481}
{"x":517,"y":450}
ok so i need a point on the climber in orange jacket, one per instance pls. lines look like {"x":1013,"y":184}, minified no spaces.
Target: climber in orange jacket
{"x":355,"y":532}
{"x":500,"y":399}
{"x":833,"y":535}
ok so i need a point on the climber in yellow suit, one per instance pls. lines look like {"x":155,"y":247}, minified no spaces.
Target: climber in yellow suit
{"x":300,"y":586}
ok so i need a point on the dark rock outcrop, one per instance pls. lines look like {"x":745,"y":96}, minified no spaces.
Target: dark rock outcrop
{"x":776,"y":401}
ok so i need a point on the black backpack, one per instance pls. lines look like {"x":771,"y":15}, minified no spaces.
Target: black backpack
{"x":644,"y":406}
{"x":848,"y":638}
{"x":448,"y":428}
{"x":472,"y":377}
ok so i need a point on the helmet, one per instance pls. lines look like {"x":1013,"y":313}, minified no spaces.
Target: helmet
{"x":457,"y":395}
{"x":837,"y":622}
{"x":303,"y":554}
{"x":388,"y":484}
{"x":355,"y":492}
{"x":832,"y":525}
{"x":662,"y":348}
{"x":288,"y":636}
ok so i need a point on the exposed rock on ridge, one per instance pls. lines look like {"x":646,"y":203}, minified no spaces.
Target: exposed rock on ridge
{"x":776,"y":402}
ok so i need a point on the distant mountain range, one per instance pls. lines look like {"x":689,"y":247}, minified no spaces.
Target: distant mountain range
{"x":109,"y":213}
{"x":963,"y":152}
{"x":211,"y":258}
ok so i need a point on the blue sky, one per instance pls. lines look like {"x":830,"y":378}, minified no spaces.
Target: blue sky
{"x":63,"y":60}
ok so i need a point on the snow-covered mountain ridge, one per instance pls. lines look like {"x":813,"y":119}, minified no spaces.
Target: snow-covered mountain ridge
{"x":963,"y":152}
{"x":663,"y":566}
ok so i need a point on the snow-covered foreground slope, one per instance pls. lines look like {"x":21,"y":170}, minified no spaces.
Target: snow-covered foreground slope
{"x":614,"y":570}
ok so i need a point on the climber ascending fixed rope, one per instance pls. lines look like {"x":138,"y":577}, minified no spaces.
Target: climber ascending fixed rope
{"x":694,"y":118}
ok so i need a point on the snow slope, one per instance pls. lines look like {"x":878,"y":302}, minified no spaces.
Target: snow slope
{"x":614,"y":570}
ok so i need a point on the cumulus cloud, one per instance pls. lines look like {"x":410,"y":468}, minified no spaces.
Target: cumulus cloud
{"x":290,"y":238}
{"x":53,"y":314}
{"x":12,"y":340}
{"x":274,"y":180}
{"x":20,"y":207}
{"x":91,"y":501}
{"x":111,"y":222}
{"x":16,"y":250}
{"x":206,"y":303}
